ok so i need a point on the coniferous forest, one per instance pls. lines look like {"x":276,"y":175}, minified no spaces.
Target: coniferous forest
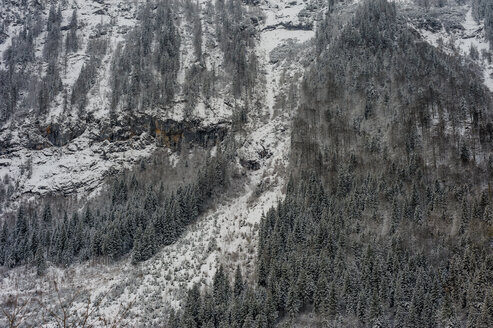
{"x":372,"y":231}
{"x":270,"y":163}
{"x":139,"y":217}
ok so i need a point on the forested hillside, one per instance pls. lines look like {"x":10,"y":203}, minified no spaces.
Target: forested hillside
{"x":136,"y":216}
{"x":231,"y":163}
{"x":387,"y":219}
{"x":337,"y":257}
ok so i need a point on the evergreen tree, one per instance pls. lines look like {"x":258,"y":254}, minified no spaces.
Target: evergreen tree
{"x":192,"y":308}
{"x":40,"y":261}
{"x":238,"y":282}
{"x":72,"y":44}
{"x":486,"y":316}
{"x":50,"y":50}
{"x":144,"y":247}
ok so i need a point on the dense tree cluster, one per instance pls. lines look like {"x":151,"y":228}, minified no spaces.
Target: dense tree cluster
{"x":15,"y":78}
{"x":51,"y":83}
{"x":235,"y":34}
{"x":369,"y":254}
{"x":96,"y":49}
{"x":53,"y":36}
{"x":71,"y":40}
{"x":479,"y":9}
{"x":346,"y":263}
{"x":197,"y":78}
{"x":235,"y":31}
{"x":22,"y":87}
{"x":140,"y":217}
{"x":378,"y":92}
{"x":488,"y":25}
{"x":144,"y":71}
{"x":482,"y":10}
{"x":226,"y":305}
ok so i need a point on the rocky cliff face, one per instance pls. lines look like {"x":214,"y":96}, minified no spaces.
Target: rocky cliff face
{"x":42,"y":151}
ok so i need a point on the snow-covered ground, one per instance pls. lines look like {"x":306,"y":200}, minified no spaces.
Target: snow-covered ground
{"x":474,"y":36}
{"x":81,"y":166}
{"x":269,"y":40}
{"x":277,"y":12}
{"x":225,"y":234}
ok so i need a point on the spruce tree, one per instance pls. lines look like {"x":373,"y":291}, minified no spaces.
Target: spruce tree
{"x":72,"y":44}
{"x":238,"y":285}
{"x":40,"y":261}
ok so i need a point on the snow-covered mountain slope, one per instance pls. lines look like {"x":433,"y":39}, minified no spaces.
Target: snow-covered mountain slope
{"x":29,"y":158}
{"x":35,"y":166}
{"x":225,"y":234}
{"x":80,"y":165}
